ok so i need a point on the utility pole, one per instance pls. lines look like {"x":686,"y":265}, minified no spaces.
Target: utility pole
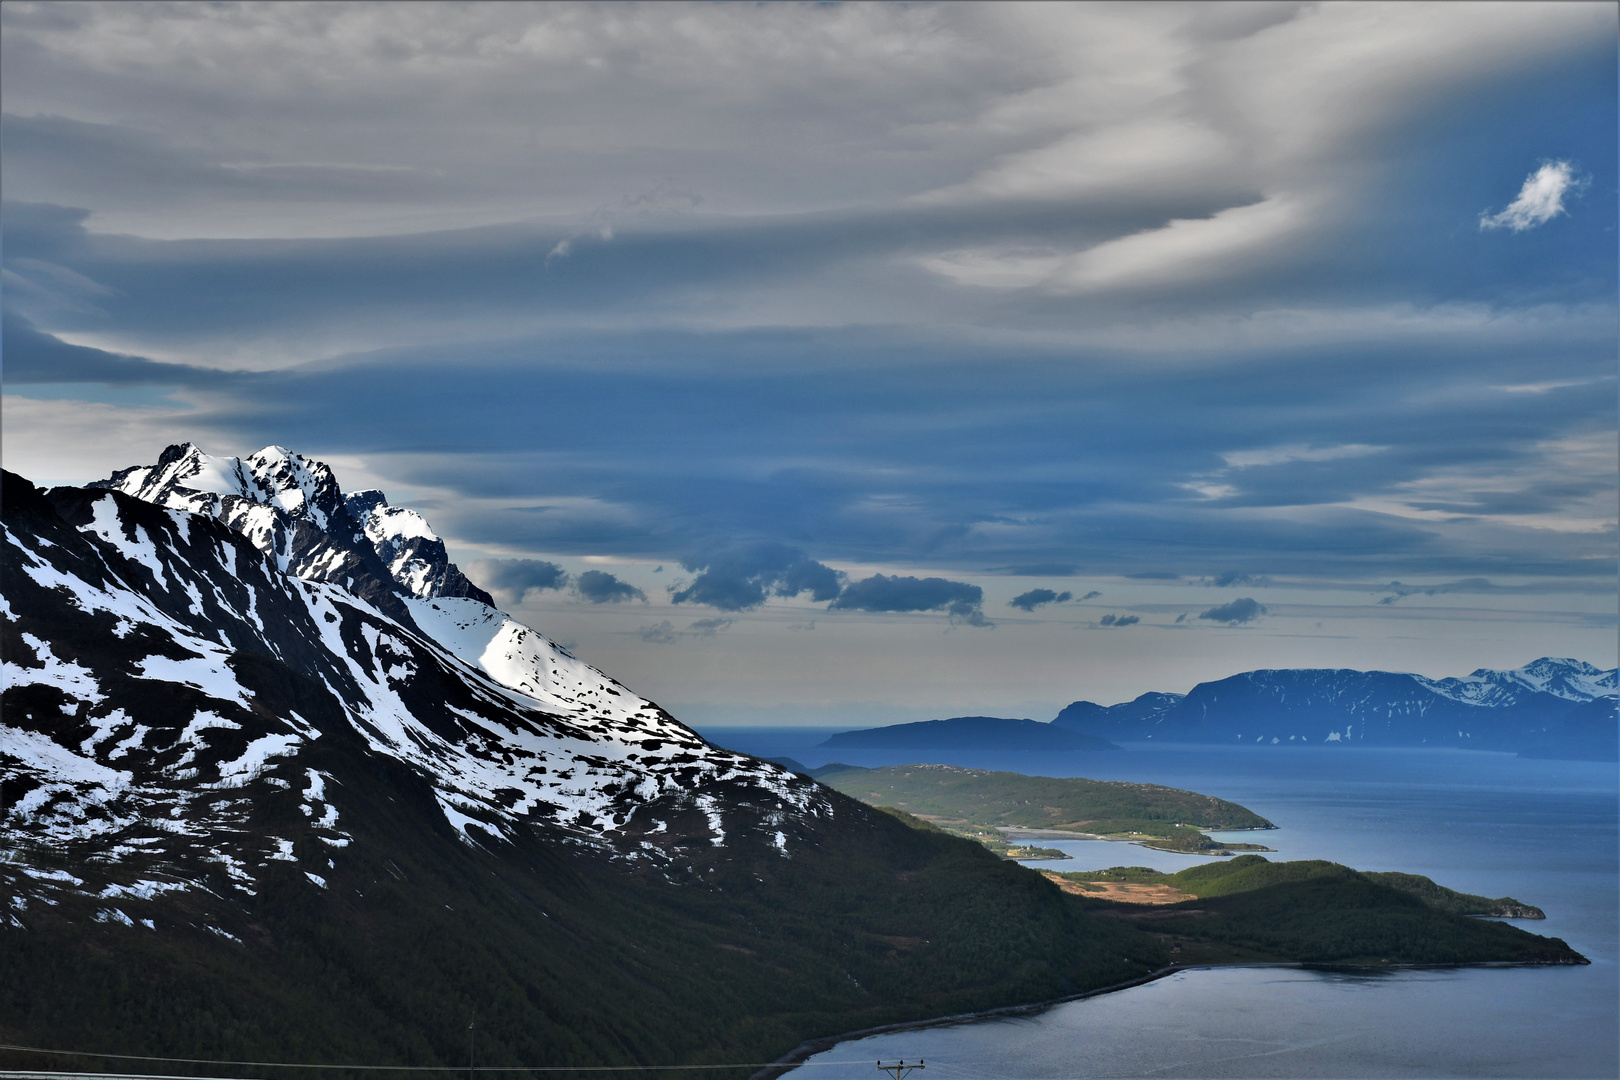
{"x":472,"y":1034}
{"x":900,"y":1070}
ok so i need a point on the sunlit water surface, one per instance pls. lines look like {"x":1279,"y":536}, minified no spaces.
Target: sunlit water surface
{"x":1542,"y":831}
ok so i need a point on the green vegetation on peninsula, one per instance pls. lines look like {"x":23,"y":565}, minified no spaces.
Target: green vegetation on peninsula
{"x":982,"y":805}
{"x":1246,"y":873}
{"x":1311,"y":911}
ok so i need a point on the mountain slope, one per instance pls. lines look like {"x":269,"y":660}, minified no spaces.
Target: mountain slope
{"x":244,"y":809}
{"x":1551,"y":707}
{"x":174,"y":618}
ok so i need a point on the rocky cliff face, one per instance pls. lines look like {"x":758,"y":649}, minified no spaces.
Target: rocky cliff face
{"x":291,"y":508}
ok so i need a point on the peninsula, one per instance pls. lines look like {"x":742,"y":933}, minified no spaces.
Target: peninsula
{"x":999,"y":807}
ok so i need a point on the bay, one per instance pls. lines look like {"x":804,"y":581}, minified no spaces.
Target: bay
{"x":1545,"y":832}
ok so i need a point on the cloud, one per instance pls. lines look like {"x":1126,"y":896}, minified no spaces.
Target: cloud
{"x":741,"y":578}
{"x":1092,"y":595}
{"x":1540,"y":199}
{"x":881,"y":592}
{"x":1033,"y":599}
{"x":708,"y":627}
{"x":1241,"y":610}
{"x":1155,"y":575}
{"x":1182,"y":617}
{"x":35,"y":357}
{"x":1466,"y":585}
{"x":511,"y":580}
{"x":663,"y":633}
{"x":600,"y":587}
{"x":1233,"y":577}
{"x":1120,"y":620}
{"x":908,"y":445}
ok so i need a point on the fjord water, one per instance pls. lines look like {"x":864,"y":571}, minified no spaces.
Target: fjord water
{"x":1545,"y":832}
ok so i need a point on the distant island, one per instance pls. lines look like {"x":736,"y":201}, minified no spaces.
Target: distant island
{"x":998,"y":807}
{"x":968,"y":733}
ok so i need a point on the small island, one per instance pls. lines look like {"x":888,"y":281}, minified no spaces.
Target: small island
{"x":1006,"y":811}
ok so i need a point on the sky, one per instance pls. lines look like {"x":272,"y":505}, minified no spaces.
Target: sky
{"x":856,"y":363}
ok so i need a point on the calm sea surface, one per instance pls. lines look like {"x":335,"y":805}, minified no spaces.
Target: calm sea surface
{"x":1545,"y":832}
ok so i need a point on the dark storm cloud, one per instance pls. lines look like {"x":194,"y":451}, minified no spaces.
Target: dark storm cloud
{"x":1120,"y":620}
{"x":1238,"y":611}
{"x":511,"y":580}
{"x":882,"y":592}
{"x":741,"y":578}
{"x":601,"y":587}
{"x":1034,"y":598}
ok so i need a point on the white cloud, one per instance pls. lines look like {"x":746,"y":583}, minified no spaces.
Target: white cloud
{"x":1540,"y":199}
{"x":1183,"y":249}
{"x":1283,"y":455}
{"x":1180,"y":250}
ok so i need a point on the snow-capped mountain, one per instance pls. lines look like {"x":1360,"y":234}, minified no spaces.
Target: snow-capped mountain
{"x":1558,"y":707}
{"x":291,"y":508}
{"x":1572,"y":680}
{"x":166,"y":678}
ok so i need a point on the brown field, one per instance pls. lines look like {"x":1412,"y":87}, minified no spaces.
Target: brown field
{"x":1121,"y":892}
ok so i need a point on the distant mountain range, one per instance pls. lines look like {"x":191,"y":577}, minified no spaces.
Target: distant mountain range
{"x":1548,"y":708}
{"x":1555,"y":708}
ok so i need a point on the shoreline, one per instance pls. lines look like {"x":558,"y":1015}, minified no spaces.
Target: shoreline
{"x":1016,"y":832}
{"x":820,"y":1043}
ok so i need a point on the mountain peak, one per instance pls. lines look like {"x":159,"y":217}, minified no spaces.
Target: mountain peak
{"x":292,"y":508}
